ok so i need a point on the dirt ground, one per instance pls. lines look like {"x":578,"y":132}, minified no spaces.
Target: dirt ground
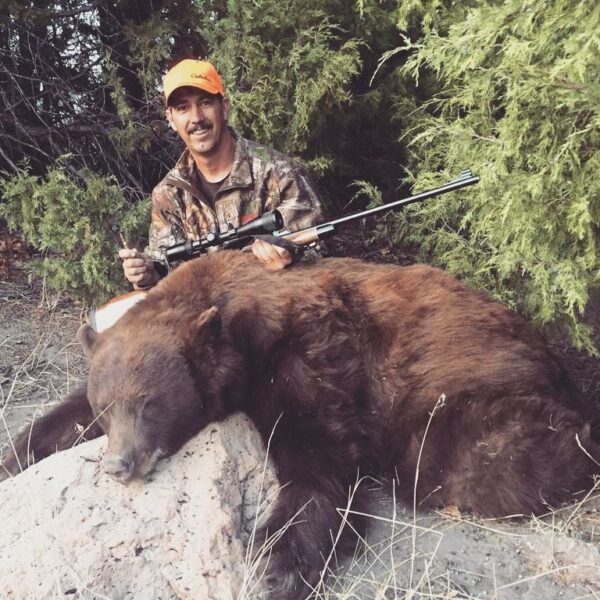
{"x":40,"y":358}
{"x":408,"y":553}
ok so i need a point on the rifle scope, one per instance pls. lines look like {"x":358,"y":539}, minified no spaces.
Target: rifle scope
{"x":268,"y":223}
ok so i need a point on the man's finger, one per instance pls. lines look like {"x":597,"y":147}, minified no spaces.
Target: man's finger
{"x":274,"y":258}
{"x":282,"y":252}
{"x":131,"y":271}
{"x":260,"y":250}
{"x":130,"y":253}
{"x":276,"y":253}
{"x":134,"y":262}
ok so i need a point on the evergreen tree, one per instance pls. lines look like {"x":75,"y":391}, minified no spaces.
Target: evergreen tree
{"x":507,"y":88}
{"x":518,"y":100}
{"x":297,"y":72}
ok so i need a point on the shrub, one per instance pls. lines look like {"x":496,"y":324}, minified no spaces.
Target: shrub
{"x":76,"y":226}
{"x":519,"y":101}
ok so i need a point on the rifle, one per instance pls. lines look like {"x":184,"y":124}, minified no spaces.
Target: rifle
{"x":271,"y":223}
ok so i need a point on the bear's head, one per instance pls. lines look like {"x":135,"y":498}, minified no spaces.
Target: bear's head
{"x":146,"y":390}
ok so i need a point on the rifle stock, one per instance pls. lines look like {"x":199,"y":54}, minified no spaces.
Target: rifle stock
{"x":304,"y":237}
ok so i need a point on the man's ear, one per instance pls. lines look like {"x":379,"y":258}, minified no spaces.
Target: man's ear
{"x":226,"y":108}
{"x":87,"y":338}
{"x":170,"y":118}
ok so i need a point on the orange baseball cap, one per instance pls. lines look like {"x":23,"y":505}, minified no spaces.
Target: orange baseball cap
{"x":196,"y":73}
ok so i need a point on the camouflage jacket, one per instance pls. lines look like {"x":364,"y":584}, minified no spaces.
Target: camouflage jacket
{"x":261,"y":179}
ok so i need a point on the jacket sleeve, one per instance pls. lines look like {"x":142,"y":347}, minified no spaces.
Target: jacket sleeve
{"x":298,"y":201}
{"x":165,"y":227}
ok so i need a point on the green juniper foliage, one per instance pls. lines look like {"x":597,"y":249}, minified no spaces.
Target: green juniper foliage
{"x":282,"y":89}
{"x":518,"y":99}
{"x":76,"y":225}
{"x":387,"y":93}
{"x":298,"y":74}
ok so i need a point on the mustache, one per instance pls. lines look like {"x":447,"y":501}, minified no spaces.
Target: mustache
{"x":204,"y":126}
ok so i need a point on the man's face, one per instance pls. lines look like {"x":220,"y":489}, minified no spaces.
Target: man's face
{"x":199,"y":118}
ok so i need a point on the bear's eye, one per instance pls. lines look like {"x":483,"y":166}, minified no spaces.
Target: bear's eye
{"x":101,"y":418}
{"x":100,"y":407}
{"x":151,"y":409}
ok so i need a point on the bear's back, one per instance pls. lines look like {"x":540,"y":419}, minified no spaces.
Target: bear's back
{"x":420,"y":331}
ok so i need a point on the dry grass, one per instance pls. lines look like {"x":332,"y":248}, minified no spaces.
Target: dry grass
{"x":40,"y":359}
{"x":413,"y":554}
{"x":404,"y":560}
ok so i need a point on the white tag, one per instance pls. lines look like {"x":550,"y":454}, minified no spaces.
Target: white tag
{"x":108,"y":314}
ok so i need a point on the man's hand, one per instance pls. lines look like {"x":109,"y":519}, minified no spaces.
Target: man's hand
{"x":138,"y":268}
{"x":274,"y":258}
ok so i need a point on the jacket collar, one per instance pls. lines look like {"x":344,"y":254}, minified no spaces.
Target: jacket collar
{"x":241,"y":172}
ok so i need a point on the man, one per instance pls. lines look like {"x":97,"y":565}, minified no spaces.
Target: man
{"x":221,"y":181}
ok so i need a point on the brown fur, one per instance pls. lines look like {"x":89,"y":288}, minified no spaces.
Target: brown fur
{"x":346,"y":360}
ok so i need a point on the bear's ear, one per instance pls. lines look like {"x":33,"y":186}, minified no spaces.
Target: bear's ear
{"x":206,"y":327}
{"x":87,"y":338}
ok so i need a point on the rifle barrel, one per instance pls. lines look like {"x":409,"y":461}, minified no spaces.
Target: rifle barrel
{"x":463,"y":181}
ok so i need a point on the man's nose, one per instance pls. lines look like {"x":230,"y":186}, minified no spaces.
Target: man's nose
{"x":197,"y":115}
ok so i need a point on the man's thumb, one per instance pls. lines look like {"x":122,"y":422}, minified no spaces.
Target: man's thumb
{"x":127,"y":253}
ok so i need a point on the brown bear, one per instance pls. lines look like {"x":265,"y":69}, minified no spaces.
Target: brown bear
{"x":343,"y":363}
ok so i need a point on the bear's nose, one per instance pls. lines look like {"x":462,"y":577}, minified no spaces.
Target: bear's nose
{"x":119,"y":467}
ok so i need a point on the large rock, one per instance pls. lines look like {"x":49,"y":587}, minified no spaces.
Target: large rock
{"x":68,"y":530}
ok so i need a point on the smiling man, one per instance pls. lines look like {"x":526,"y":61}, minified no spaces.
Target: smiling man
{"x":221,"y":180}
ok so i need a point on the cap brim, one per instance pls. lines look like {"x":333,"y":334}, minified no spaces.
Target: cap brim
{"x":209,"y":89}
